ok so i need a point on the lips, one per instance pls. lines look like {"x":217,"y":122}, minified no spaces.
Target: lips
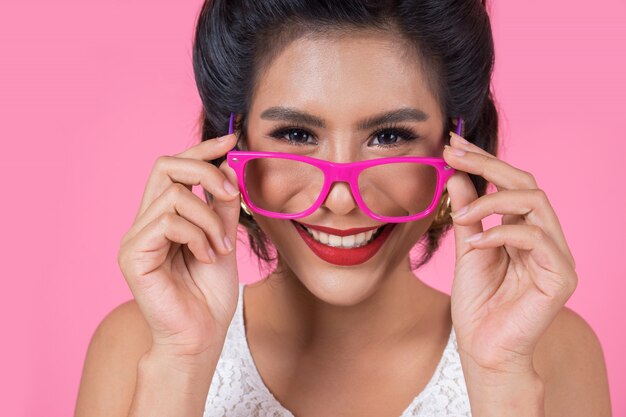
{"x":345,"y":256}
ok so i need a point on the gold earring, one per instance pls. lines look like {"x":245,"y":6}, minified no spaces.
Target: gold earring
{"x":245,"y":208}
{"x":445,"y":208}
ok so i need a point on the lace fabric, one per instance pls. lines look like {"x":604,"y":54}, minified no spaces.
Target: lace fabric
{"x":237,"y":389}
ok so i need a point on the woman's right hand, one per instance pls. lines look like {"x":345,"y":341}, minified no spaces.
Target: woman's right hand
{"x":176,"y":256}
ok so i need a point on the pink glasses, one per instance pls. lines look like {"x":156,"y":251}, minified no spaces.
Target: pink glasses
{"x":288,"y":186}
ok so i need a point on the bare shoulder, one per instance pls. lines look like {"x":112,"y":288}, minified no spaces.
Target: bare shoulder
{"x":570,"y":361}
{"x":109,"y":373}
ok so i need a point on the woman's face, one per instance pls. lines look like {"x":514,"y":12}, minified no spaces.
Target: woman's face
{"x":341,"y":82}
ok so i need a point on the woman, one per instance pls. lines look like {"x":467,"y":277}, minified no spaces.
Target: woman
{"x":342,"y":326}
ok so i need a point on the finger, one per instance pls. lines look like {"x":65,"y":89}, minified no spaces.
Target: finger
{"x":179,"y":200}
{"x":542,"y":250}
{"x":150,"y":246}
{"x":462,"y":193}
{"x":532,"y":205}
{"x":149,"y":249}
{"x":210,"y":149}
{"x":228,"y":210}
{"x":189,"y":172}
{"x":460,"y":142}
{"x":494,"y":170}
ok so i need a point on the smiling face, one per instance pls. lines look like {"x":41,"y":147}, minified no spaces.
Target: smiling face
{"x":321,"y":97}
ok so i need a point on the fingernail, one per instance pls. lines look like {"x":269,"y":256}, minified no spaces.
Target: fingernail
{"x":460,"y":138}
{"x":459,"y":212}
{"x":455,"y":151}
{"x":225,"y":137}
{"x":228,"y":244}
{"x":473,"y":238}
{"x":230,"y":189}
{"x":211,"y":254}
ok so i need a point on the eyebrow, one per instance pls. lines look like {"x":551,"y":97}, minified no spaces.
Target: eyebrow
{"x":278,"y":113}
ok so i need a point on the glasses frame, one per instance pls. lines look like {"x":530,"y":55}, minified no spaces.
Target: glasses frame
{"x":347,"y":172}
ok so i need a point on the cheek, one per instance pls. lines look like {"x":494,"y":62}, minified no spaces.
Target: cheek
{"x":412,"y":233}
{"x":397,"y":190}
{"x":287,"y":243}
{"x":278,"y":231}
{"x":406,"y":241}
{"x":282,"y":185}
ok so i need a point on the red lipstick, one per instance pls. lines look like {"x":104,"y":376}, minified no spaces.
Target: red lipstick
{"x":345,"y":256}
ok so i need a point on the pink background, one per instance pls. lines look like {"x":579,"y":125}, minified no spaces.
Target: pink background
{"x":92,"y":92}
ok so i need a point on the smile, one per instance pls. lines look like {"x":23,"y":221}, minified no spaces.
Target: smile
{"x":350,"y":241}
{"x":353,"y":247}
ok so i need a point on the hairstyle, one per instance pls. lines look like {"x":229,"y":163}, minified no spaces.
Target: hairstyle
{"x":235,"y":41}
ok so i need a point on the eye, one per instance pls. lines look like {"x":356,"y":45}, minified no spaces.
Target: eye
{"x":392,"y":136}
{"x":386,"y":137}
{"x":294,"y":135}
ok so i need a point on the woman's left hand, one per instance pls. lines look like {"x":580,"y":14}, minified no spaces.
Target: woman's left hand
{"x":510,"y":284}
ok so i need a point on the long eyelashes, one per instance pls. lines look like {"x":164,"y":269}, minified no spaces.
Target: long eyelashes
{"x":299,"y":135}
{"x":407,"y":135}
{"x":282,"y":131}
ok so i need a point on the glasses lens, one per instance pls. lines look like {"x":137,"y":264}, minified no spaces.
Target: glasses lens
{"x":288,"y":187}
{"x":398,"y":189}
{"x":282,"y":185}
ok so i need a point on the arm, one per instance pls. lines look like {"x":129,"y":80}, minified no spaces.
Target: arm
{"x":121,"y":371}
{"x":170,"y":387}
{"x":570,"y":361}
{"x":510,"y":287}
{"x":568,"y":377}
{"x":497,"y":394}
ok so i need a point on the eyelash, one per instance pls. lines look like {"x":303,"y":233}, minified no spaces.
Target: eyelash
{"x":407,"y":135}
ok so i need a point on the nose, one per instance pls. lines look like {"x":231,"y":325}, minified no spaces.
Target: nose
{"x":340,"y":199}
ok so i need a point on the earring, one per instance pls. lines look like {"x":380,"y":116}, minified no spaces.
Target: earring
{"x":246,"y":209}
{"x":444,"y":210}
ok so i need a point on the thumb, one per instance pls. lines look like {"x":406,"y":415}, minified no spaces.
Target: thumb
{"x":462,"y":192}
{"x":228,"y":211}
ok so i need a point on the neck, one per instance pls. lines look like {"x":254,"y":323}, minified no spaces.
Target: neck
{"x":400,"y":307}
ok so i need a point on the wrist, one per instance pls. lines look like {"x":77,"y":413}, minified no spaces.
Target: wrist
{"x":497,"y":393}
{"x":517,"y":396}
{"x":162,"y":360}
{"x":169,"y":385}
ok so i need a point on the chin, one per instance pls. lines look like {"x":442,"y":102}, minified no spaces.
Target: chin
{"x":339,"y":287}
{"x":321,"y":270}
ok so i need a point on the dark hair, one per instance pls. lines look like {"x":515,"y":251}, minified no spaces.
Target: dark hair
{"x":236,"y":39}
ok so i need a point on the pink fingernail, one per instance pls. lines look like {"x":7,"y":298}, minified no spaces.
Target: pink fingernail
{"x":458,"y":152}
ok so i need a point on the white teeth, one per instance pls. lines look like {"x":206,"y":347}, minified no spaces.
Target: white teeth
{"x":351,"y":241}
{"x":334,"y":240}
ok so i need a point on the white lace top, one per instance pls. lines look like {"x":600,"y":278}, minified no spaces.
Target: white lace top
{"x":237,"y":389}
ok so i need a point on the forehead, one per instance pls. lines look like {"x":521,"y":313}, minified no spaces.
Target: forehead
{"x":345,"y":76}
